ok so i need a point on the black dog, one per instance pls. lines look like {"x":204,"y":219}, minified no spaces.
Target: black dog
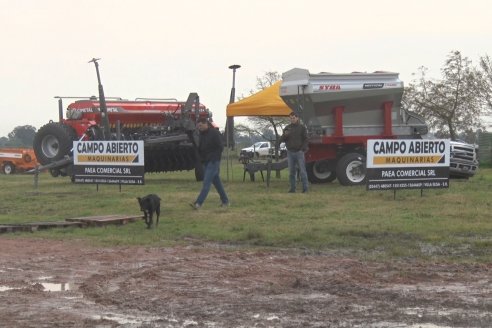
{"x":150,"y":204}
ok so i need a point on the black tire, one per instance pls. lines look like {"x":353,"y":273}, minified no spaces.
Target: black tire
{"x":8,"y":168}
{"x":321,"y":171}
{"x":53,"y":141}
{"x":351,"y":169}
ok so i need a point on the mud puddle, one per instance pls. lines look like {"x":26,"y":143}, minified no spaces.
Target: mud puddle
{"x":76,"y":285}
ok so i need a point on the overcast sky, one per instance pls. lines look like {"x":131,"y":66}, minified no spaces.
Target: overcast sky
{"x":167,"y":49}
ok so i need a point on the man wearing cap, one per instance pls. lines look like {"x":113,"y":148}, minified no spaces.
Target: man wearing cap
{"x":296,"y":141}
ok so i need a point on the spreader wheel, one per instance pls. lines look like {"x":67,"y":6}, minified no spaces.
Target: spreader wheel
{"x":321,"y":171}
{"x":351,"y":169}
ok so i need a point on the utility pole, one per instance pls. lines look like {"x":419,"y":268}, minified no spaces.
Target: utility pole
{"x":230,"y":120}
{"x":102,"y":102}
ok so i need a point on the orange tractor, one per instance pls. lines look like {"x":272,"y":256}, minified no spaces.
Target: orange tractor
{"x":17,"y":160}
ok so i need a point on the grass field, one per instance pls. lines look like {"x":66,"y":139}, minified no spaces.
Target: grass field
{"x":452,"y":224}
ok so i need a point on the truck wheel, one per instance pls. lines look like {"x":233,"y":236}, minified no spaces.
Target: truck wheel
{"x":8,"y":168}
{"x":53,"y":141}
{"x":321,"y":171}
{"x":351,"y":169}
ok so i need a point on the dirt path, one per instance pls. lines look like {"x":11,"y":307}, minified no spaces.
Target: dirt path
{"x":68,"y":284}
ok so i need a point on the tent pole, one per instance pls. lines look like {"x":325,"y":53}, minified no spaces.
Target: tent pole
{"x":227,"y":147}
{"x":230,"y":120}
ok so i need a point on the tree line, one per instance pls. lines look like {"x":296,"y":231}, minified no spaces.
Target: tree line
{"x":453,"y":104}
{"x":21,"y":136}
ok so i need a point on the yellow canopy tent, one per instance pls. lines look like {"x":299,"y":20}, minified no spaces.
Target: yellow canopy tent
{"x":267,"y":102}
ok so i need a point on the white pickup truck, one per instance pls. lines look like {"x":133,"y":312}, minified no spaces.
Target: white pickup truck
{"x":262,"y":149}
{"x":463,"y":162}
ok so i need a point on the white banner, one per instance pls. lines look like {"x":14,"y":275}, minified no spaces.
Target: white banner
{"x":407,"y":153}
{"x":117,"y":152}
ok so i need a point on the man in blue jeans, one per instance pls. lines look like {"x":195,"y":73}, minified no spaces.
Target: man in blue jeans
{"x":296,"y":141}
{"x":210,"y":150}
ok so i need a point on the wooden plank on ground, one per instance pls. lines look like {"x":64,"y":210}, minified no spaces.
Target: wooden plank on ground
{"x":71,"y":222}
{"x":13,"y":228}
{"x":106,"y":219}
{"x":54,"y":224}
{"x":34,"y":226}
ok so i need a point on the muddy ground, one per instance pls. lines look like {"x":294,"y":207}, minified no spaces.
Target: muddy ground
{"x":70,"y":284}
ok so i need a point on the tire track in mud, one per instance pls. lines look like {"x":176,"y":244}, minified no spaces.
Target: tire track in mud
{"x":270,"y":289}
{"x":210,"y":286}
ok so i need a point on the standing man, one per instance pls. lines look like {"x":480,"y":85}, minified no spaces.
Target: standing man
{"x":296,"y":141}
{"x":210,"y":150}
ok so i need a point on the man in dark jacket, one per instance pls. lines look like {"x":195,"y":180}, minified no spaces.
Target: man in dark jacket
{"x":296,"y":141}
{"x":210,"y":149}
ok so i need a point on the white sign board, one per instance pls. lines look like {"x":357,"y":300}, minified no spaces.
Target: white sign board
{"x":109,"y":162}
{"x":407,"y":164}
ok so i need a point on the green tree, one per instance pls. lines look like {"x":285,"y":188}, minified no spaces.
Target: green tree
{"x":3,"y":141}
{"x":452,"y":105}
{"x":260,"y":131}
{"x":24,"y":134}
{"x":486,"y":65}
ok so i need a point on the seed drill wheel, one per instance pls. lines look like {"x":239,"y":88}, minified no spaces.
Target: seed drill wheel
{"x":53,"y":141}
{"x":171,"y":157}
